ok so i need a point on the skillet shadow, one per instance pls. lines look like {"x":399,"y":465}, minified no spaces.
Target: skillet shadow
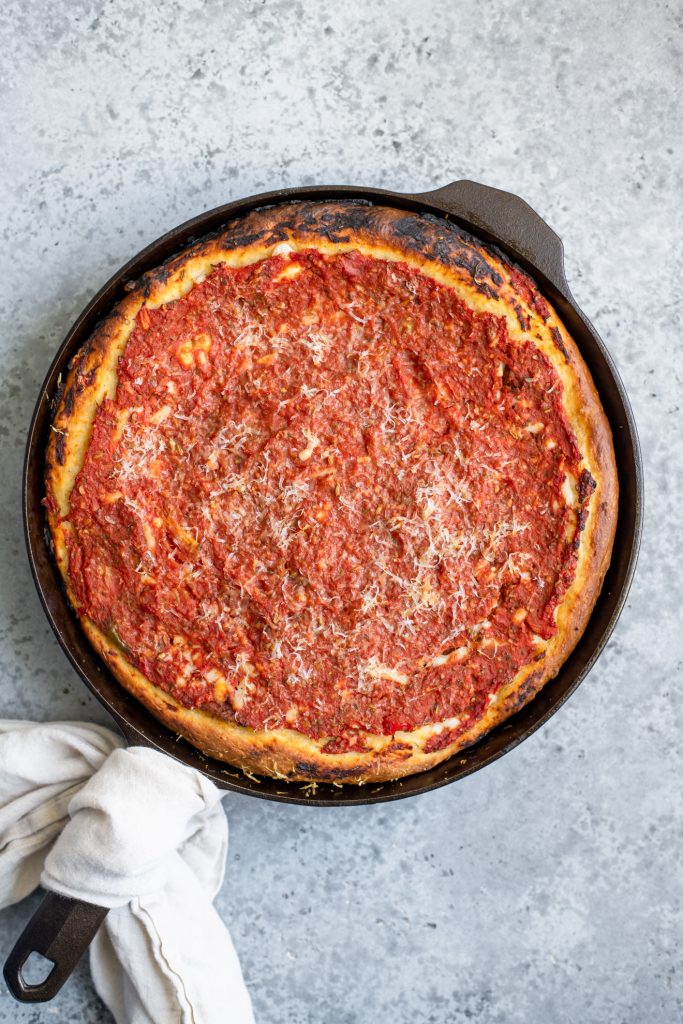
{"x":38,"y":681}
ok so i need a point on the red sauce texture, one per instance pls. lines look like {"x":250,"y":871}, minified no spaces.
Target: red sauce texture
{"x":327,"y":496}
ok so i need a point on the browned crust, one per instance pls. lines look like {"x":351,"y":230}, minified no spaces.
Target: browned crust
{"x":487,"y":282}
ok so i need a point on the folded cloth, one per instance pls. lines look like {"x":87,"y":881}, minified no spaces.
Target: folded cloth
{"x":133,"y":830}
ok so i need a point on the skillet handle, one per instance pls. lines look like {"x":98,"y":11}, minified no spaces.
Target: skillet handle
{"x":505,"y":217}
{"x":61,"y":929}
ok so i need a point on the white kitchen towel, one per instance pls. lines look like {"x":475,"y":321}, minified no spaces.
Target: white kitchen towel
{"x":133,"y":830}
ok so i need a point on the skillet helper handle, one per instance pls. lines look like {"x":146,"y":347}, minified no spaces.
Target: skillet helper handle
{"x":61,"y":929}
{"x":506,"y":217}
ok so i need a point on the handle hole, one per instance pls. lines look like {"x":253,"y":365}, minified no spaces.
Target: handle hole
{"x":36,"y":969}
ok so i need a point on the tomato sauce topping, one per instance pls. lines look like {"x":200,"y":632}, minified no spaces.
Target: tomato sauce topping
{"x":328,"y":496}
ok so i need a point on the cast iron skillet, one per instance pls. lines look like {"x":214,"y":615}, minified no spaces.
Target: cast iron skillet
{"x":62,"y":928}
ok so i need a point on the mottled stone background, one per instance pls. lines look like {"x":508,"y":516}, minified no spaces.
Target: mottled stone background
{"x":547,"y":888}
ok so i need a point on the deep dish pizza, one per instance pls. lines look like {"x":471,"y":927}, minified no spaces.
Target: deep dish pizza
{"x":332,"y":493}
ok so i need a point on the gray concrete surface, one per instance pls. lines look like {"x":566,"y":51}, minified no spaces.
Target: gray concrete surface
{"x":547,"y":888}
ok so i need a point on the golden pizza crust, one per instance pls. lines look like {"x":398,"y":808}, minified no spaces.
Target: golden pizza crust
{"x":487,"y":283}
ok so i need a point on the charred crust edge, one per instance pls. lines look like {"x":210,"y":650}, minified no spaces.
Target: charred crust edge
{"x":559,"y":342}
{"x":344,"y":221}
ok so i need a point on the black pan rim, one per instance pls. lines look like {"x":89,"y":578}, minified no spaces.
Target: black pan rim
{"x":132,"y":720}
